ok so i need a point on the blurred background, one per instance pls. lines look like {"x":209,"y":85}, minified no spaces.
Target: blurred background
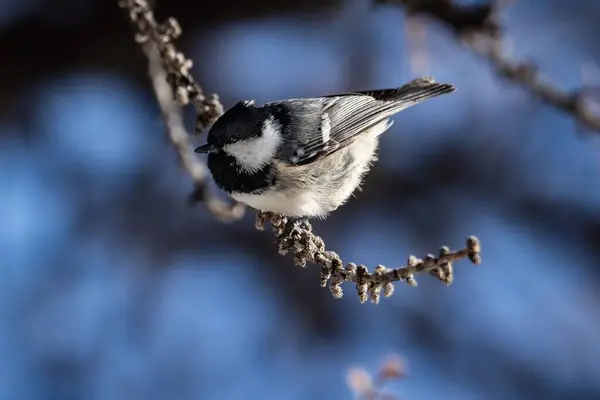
{"x":112,"y":287}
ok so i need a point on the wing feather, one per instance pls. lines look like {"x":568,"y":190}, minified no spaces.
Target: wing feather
{"x":346,"y":115}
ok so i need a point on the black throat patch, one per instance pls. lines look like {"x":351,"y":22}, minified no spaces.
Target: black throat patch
{"x":231,"y":178}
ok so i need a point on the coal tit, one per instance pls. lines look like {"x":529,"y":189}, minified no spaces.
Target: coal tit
{"x":304,"y":157}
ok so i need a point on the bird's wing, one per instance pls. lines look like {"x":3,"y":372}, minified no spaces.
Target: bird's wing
{"x":345,"y":116}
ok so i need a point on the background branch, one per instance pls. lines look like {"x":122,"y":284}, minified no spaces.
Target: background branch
{"x":476,"y":26}
{"x":369,"y":386}
{"x":169,"y":70}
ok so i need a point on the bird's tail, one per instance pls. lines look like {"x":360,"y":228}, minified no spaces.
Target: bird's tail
{"x":411,"y":93}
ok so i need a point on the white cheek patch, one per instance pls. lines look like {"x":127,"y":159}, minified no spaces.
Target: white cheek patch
{"x":254,"y":153}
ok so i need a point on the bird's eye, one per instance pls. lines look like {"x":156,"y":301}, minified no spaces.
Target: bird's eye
{"x":234,"y":138}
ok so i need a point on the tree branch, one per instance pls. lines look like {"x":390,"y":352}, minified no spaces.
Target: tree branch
{"x":180,"y":139}
{"x":169,"y":71}
{"x":168,"y":68}
{"x":307,"y":247}
{"x":476,"y":26}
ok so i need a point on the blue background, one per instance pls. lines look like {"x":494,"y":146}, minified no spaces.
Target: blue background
{"x":111,"y":287}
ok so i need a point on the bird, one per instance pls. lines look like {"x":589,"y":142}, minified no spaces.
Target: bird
{"x":302,"y":158}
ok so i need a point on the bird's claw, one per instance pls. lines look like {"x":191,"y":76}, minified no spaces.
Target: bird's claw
{"x":291,"y":226}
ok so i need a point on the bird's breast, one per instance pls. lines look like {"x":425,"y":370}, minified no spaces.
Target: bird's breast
{"x":230,"y":177}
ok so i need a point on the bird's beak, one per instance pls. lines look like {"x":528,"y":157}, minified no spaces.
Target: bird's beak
{"x":207,"y":148}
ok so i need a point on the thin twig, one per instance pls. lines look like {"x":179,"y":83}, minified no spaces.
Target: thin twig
{"x":180,"y":139}
{"x":476,"y":26}
{"x":208,"y":108}
{"x":169,"y":69}
{"x":307,"y":247}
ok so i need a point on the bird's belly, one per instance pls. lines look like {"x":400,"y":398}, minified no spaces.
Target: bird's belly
{"x":281,"y":202}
